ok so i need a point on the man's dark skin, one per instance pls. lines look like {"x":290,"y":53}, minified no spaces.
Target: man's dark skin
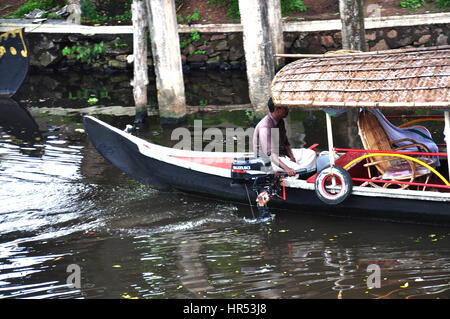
{"x":278,"y":114}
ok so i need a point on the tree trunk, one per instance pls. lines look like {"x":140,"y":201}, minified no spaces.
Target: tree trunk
{"x":353,"y":31}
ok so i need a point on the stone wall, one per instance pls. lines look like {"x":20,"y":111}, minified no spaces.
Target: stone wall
{"x":377,"y":39}
{"x":47,"y":51}
{"x":209,"y":50}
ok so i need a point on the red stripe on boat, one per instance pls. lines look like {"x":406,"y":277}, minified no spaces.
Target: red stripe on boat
{"x":220,"y":162}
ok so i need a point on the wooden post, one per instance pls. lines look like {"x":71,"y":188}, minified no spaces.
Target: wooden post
{"x":276,"y":28}
{"x":258,"y":52}
{"x":167,"y":59}
{"x":353,"y":31}
{"x":140,"y":80}
{"x":447,"y":138}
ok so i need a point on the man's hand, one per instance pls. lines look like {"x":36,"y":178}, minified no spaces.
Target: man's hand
{"x":278,"y":162}
{"x":290,"y":171}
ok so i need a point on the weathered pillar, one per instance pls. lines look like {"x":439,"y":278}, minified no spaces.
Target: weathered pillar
{"x":353,"y":31}
{"x":74,"y":10}
{"x":167,"y":59}
{"x":258,"y":52}
{"x":140,"y":80}
{"x":276,"y":29}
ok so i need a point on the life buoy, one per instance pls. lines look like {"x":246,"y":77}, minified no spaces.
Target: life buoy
{"x":342,"y":180}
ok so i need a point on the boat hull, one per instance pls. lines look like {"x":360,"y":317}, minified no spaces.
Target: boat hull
{"x":13,"y":62}
{"x":124,"y":152}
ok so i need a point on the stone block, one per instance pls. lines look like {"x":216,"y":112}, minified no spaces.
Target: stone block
{"x":380,"y":46}
{"x":423,"y":39}
{"x":392,"y":34}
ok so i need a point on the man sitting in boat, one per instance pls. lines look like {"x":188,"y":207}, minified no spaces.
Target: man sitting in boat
{"x":266,"y":143}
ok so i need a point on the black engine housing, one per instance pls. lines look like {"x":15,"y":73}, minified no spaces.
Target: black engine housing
{"x":246,"y":169}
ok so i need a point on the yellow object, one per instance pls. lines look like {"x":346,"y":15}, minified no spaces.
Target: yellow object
{"x":401,"y":156}
{"x":418,"y":121}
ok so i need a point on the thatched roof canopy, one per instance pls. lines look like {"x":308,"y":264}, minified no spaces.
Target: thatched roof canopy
{"x":387,"y":79}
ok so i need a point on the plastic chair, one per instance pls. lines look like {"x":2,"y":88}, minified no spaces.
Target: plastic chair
{"x":374,"y":137}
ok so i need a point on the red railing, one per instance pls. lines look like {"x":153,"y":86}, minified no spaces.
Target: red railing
{"x":389,"y":152}
{"x":392,"y":181}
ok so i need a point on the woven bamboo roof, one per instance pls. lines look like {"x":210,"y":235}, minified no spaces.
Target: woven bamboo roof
{"x":387,"y":79}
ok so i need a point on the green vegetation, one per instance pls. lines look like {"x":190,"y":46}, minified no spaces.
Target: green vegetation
{"x":90,"y":14}
{"x":443,"y":3}
{"x":287,"y":6}
{"x":195,"y":36}
{"x":30,"y":5}
{"x":416,"y":4}
{"x":412,"y":4}
{"x":87,"y":52}
{"x":193,"y":17}
{"x":88,"y":10}
{"x":231,"y":5}
{"x":190,"y":17}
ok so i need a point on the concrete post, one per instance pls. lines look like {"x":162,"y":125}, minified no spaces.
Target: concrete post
{"x":74,"y":10}
{"x":140,"y":80}
{"x":353,"y":31}
{"x":167,"y":59}
{"x":258,"y":52}
{"x":276,"y":28}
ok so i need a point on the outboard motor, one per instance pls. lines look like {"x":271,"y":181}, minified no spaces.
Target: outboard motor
{"x":257,"y":172}
{"x":247,"y":169}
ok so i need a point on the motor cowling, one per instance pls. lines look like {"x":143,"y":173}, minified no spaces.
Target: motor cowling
{"x":246,"y":169}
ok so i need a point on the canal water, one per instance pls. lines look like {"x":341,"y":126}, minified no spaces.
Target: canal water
{"x":73,"y":226}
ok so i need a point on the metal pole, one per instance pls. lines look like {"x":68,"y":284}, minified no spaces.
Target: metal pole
{"x":330,"y":139}
{"x":447,"y":137}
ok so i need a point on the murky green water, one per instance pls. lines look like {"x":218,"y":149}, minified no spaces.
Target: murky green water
{"x":63,"y":206}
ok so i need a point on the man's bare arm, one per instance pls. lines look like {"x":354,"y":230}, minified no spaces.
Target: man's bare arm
{"x":276,"y":160}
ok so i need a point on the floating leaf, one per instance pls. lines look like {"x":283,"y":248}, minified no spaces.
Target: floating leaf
{"x":117,"y":266}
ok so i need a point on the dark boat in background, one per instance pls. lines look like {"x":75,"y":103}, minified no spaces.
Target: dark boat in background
{"x":14,"y":61}
{"x":18,"y":122}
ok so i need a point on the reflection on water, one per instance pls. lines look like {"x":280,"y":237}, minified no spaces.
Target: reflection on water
{"x":61,"y":204}
{"x":78,"y":89}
